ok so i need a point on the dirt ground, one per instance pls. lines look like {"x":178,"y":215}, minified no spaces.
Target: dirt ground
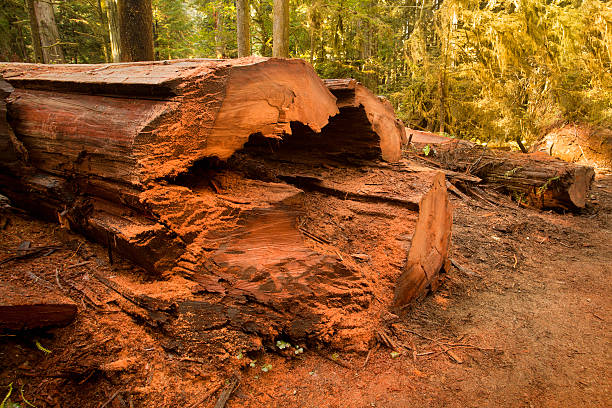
{"x":521,"y":323}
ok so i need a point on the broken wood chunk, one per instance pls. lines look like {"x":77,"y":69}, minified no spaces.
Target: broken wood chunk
{"x":23,"y":307}
{"x":366,"y":119}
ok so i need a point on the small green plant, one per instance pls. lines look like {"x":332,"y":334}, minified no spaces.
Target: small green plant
{"x":6,"y":401}
{"x":253,"y":364}
{"x":239,"y":356}
{"x":266,"y":367}
{"x":282,"y":344}
{"x":520,"y":198}
{"x":427,"y":150}
{"x":395,"y":354}
{"x":298,"y":350}
{"x":335,"y":356}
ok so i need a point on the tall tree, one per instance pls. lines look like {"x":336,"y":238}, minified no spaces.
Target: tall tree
{"x":243,"y":34}
{"x":45,"y":35}
{"x":136,"y":30}
{"x":219,"y":45}
{"x":280,"y":42}
{"x":112,"y":15}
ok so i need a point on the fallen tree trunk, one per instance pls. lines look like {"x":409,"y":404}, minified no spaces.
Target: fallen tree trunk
{"x":535,"y":179}
{"x":274,"y":227}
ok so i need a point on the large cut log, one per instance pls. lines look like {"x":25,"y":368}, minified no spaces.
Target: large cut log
{"x":23,"y":307}
{"x":143,"y":121}
{"x":534,"y":179}
{"x":276,"y":230}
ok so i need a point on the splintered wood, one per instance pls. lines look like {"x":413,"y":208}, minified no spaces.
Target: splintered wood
{"x":272,"y":199}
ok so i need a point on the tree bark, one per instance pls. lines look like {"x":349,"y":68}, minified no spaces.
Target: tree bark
{"x":219,"y":46}
{"x":243,"y":17}
{"x":280,"y":42}
{"x":27,"y":307}
{"x":45,"y":35}
{"x":135,"y":30}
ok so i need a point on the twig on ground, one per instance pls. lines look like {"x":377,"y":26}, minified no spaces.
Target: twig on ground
{"x":78,"y":264}
{"x":206,"y":396}
{"x":112,"y":397}
{"x":373,"y":349}
{"x":59,"y":285}
{"x":464,"y":269}
{"x":384,"y":338}
{"x":227,"y":392}
{"x":31,"y":253}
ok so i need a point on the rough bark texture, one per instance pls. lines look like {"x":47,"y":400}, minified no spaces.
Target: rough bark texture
{"x":534,"y":179}
{"x":211,"y":174}
{"x":45,"y":35}
{"x":280,"y":29}
{"x":243,"y":17}
{"x":7,"y":153}
{"x":135,"y":30}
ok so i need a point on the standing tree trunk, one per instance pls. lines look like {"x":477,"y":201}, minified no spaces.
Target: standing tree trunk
{"x":280,"y":42}
{"x":242,"y":28}
{"x":112,"y":14}
{"x":136,"y":30}
{"x":45,"y":35}
{"x":105,"y":34}
{"x":219,"y":49}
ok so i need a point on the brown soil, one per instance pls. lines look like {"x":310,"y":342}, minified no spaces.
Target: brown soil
{"x":523,"y":323}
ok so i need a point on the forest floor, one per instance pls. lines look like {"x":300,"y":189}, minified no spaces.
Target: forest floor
{"x":524,"y":323}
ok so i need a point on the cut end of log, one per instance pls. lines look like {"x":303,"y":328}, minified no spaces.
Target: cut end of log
{"x":428,"y":254}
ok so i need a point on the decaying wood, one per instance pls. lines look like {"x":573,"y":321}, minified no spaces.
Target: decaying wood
{"x":7,"y":153}
{"x":213,"y":172}
{"x":22,"y":308}
{"x":579,"y":143}
{"x":366,"y":120}
{"x":535,"y":179}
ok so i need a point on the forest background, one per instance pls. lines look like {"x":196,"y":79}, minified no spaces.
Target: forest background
{"x":491,"y":71}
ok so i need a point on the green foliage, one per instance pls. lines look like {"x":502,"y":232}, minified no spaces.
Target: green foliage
{"x":488,"y":71}
{"x":15,"y":42}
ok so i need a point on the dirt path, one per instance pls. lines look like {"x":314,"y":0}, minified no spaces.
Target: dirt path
{"x":524,"y":324}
